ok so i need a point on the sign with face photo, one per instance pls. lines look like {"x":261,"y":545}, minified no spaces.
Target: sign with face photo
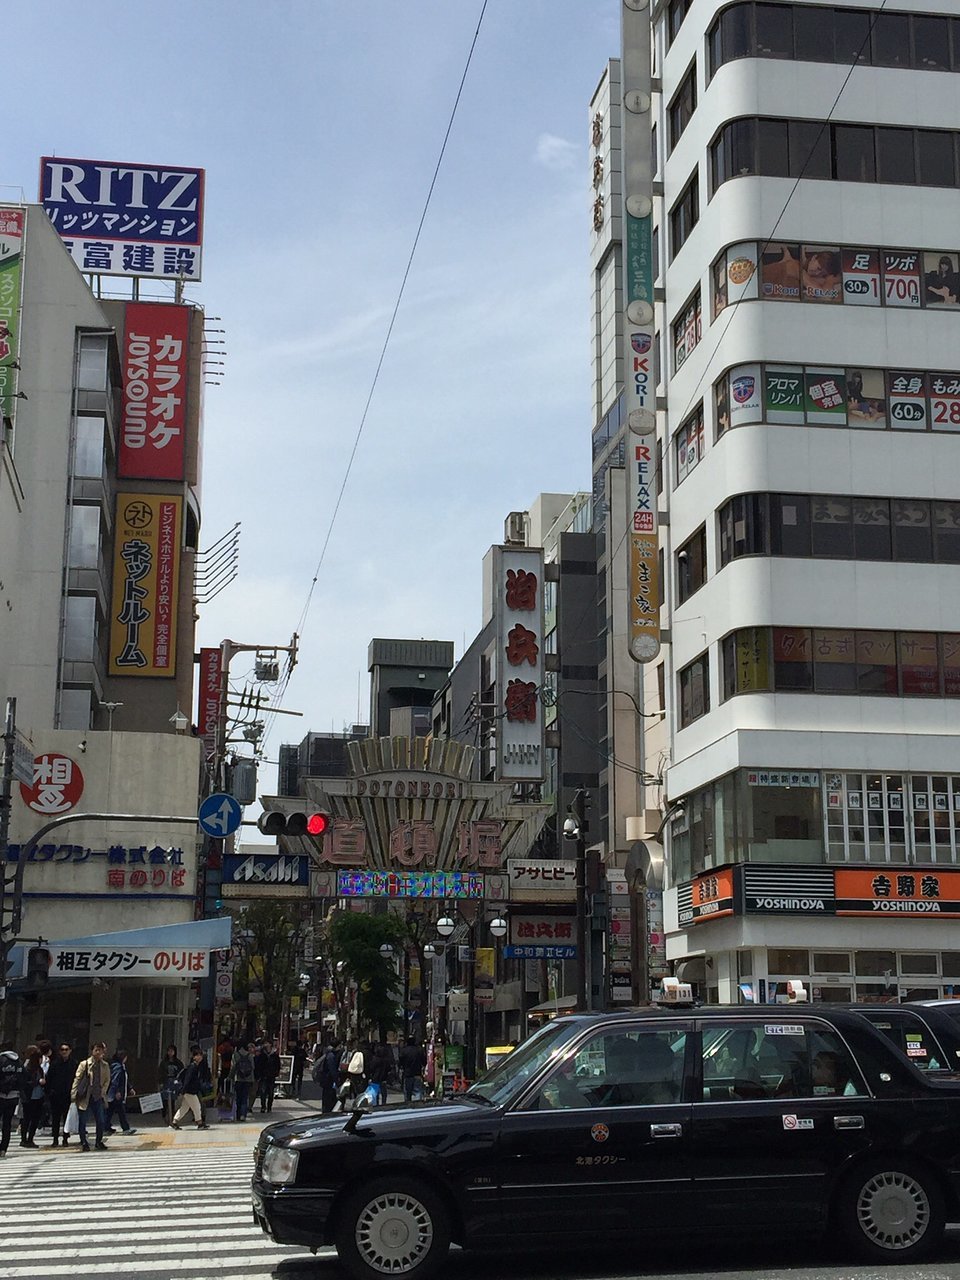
{"x":866,"y":398}
{"x":820,"y":274}
{"x":941,"y":280}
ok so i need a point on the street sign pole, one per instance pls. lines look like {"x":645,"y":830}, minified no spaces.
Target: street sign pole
{"x":6,"y":794}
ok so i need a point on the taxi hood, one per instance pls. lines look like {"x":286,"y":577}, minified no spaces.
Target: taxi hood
{"x":378,"y":1118}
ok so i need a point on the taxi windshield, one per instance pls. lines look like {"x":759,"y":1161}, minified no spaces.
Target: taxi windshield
{"x":510,"y":1073}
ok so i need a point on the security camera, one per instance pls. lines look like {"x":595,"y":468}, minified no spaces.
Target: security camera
{"x":82,"y":746}
{"x":571,"y":828}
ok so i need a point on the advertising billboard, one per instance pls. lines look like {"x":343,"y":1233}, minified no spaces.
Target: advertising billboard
{"x":154,"y":414}
{"x":208,"y":705}
{"x":643,"y":603}
{"x":126,"y":219}
{"x":518,"y":605}
{"x":146,"y":572}
{"x":11,"y":256}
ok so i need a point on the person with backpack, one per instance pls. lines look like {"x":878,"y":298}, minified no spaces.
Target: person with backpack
{"x":269,"y":1063}
{"x":194,"y":1082}
{"x":11,"y":1077}
{"x":241,"y":1074}
{"x":118,"y":1092}
{"x":326,"y":1073}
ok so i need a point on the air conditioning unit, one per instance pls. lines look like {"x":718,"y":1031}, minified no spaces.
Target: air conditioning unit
{"x":515,"y":528}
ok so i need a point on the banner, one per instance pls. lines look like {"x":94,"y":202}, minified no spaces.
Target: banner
{"x":210,"y":693}
{"x":154,"y":417}
{"x":643,"y":599}
{"x":11,"y":257}
{"x":146,"y":574}
{"x":484,"y":975}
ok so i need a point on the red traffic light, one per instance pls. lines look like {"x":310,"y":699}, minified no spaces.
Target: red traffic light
{"x":318,"y":824}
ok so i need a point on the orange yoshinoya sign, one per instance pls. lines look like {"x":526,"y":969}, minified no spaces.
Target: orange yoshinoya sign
{"x":897,"y":891}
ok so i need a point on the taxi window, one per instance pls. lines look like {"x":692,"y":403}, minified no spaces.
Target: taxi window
{"x":776,"y":1058}
{"x":622,"y":1068}
{"x":913,"y":1039}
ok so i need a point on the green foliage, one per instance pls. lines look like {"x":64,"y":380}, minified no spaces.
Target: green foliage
{"x":272,"y":941}
{"x":354,"y":938}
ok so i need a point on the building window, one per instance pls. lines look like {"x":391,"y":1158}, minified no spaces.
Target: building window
{"x":676,"y":13}
{"x":687,"y":331}
{"x":905,"y":664}
{"x":692,"y":565}
{"x":811,"y":33}
{"x":744,"y":527}
{"x":774,"y":148}
{"x":80,"y":629}
{"x":688,"y":445}
{"x":892,"y":818}
{"x":88,"y":458}
{"x":684,"y":215}
{"x":694,"y":690}
{"x":84,"y":551}
{"x":682,"y":107}
{"x":808,"y":395}
{"x":92,"y":362}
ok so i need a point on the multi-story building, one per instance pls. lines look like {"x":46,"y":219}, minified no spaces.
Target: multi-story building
{"x":807,"y":159}
{"x":99,"y":521}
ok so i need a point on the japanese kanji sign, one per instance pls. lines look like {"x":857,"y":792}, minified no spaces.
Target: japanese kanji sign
{"x":898,"y":891}
{"x":57,"y":785}
{"x":11,"y":256}
{"x":146,"y":572}
{"x":519,"y":611}
{"x":127,"y":962}
{"x":542,"y":930}
{"x":532,"y":880}
{"x":409,"y":884}
{"x":211,"y":691}
{"x":126,"y":219}
{"x":154,"y":416}
{"x":643,"y":594}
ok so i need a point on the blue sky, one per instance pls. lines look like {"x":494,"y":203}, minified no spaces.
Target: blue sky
{"x":319,"y":126}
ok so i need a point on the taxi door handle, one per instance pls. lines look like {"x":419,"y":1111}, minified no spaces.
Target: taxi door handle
{"x":666,"y":1130}
{"x":848,"y":1122}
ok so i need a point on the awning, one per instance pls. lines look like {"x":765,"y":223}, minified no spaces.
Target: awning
{"x":562,"y":1004}
{"x":191,"y":935}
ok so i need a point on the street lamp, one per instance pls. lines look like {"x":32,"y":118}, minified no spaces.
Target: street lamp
{"x":445,"y":926}
{"x":430,"y":951}
{"x":498,"y":927}
{"x":386,"y":950}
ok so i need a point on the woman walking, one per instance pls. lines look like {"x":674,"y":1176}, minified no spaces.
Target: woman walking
{"x":168,"y":1074}
{"x":31,"y":1095}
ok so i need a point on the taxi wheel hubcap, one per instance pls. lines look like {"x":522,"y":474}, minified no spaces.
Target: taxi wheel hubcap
{"x":394,"y":1233}
{"x":893,"y":1210}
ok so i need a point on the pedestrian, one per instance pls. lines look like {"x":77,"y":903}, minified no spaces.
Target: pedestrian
{"x":299,"y":1054}
{"x":353,"y":1063}
{"x":118,"y":1093}
{"x":168,"y":1074}
{"x":241,"y":1072}
{"x":326,"y":1073}
{"x":412,"y":1062}
{"x":90,"y":1085}
{"x":11,"y":1077}
{"x":380,"y":1067}
{"x":31,"y":1095}
{"x":269,"y":1063}
{"x":193,"y":1084}
{"x":46,"y":1053}
{"x":59,"y":1079}
{"x":225,"y":1051}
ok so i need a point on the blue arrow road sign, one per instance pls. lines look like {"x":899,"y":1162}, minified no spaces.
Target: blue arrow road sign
{"x":220,"y":815}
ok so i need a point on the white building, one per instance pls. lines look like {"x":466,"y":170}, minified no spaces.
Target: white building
{"x":809,"y":403}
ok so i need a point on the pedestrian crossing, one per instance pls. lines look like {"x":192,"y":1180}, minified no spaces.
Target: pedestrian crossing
{"x":180,"y":1214}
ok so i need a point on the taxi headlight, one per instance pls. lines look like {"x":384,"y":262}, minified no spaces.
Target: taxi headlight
{"x":280,"y":1165}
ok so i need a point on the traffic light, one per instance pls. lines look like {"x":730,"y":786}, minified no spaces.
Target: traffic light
{"x":38,"y":967}
{"x":274,"y":823}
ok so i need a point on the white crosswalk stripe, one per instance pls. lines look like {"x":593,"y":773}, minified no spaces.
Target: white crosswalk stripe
{"x":182,"y":1213}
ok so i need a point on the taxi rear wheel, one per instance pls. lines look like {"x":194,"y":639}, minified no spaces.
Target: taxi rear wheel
{"x":393,"y":1226}
{"x":892,"y":1211}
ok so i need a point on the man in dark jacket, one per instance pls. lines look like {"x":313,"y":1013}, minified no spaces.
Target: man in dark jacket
{"x":60,"y":1073}
{"x":11,"y":1078}
{"x":327,"y":1075}
{"x":266,"y":1069}
{"x":412,"y":1062}
{"x":193,"y":1084}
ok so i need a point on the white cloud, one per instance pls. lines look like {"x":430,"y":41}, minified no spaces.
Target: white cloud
{"x":556,"y":153}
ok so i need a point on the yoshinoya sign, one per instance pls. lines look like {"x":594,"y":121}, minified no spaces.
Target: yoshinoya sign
{"x":153,"y":418}
{"x":707,"y":897}
{"x":787,"y":890}
{"x":886,"y":891}
{"x":126,"y":219}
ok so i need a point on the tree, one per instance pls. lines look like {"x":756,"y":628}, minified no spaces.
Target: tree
{"x":354,"y":939}
{"x":272,"y":937}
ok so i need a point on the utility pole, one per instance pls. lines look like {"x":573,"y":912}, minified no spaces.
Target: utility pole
{"x":575,"y":828}
{"x":6,"y":797}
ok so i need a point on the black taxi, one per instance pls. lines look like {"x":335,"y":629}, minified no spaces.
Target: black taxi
{"x":607,"y":1126}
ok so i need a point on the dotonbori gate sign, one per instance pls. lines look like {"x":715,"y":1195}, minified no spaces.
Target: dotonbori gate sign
{"x":412,"y":804}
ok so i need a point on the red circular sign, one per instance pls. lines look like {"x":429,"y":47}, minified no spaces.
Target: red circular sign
{"x":57,"y":784}
{"x":599,"y":1133}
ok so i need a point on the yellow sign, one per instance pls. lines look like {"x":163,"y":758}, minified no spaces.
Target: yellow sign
{"x":485,"y":971}
{"x":643,"y":564}
{"x":146,"y":575}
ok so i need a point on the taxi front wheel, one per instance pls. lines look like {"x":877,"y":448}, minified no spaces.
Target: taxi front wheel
{"x":891,"y":1211}
{"x":393,"y":1226}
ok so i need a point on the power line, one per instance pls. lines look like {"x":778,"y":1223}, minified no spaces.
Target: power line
{"x":383,"y":352}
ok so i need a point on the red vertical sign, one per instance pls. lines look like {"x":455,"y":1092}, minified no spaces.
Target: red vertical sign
{"x":208,"y":712}
{"x":154,"y":416}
